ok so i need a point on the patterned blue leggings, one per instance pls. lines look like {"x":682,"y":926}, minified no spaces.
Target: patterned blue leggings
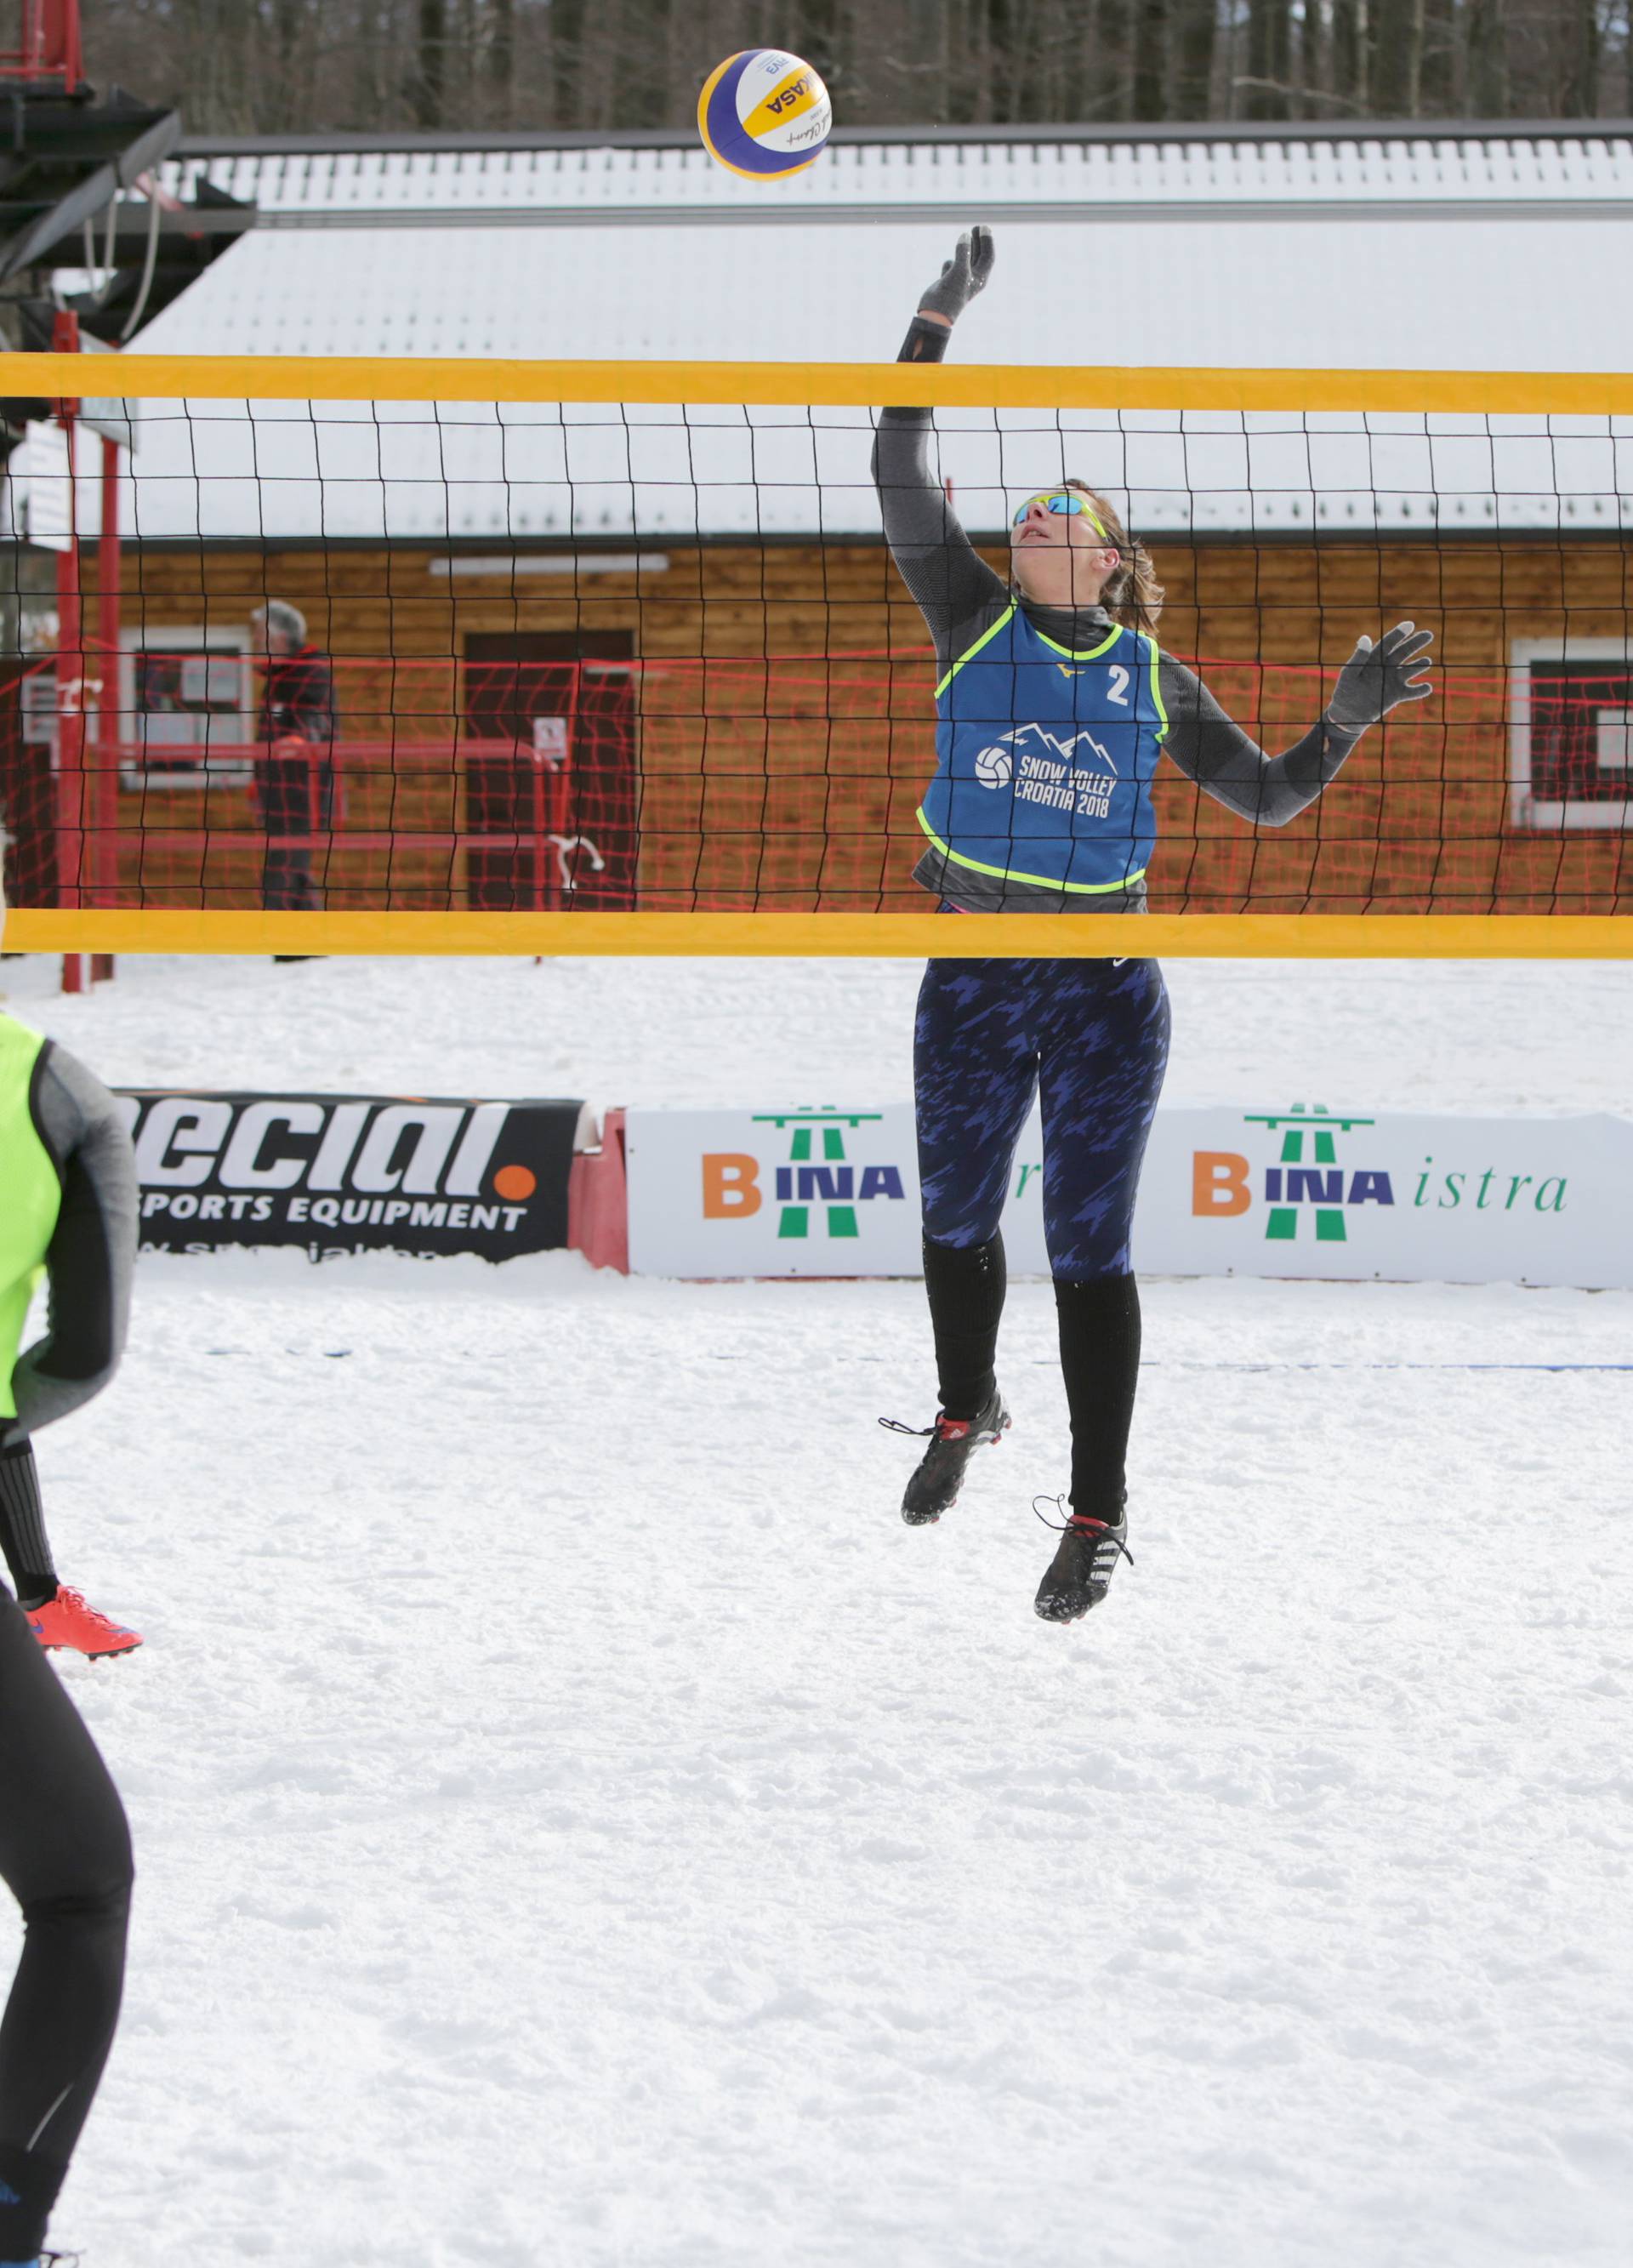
{"x":1091,"y":1036}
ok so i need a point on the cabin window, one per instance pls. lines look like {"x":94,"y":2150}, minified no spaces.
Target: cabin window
{"x":1572,"y":733}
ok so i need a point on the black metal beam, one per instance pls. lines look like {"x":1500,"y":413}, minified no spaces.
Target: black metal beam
{"x":67,"y":163}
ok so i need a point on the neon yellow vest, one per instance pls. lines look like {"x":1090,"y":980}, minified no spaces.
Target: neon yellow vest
{"x":31,"y":1197}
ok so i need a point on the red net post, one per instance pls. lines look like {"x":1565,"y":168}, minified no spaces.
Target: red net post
{"x":70,"y":667}
{"x":105,"y":767}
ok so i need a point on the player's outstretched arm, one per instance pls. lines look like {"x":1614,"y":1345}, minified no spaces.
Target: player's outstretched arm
{"x":967,"y":272}
{"x":93,"y":1252}
{"x":1210,"y":747}
{"x":946,"y":575}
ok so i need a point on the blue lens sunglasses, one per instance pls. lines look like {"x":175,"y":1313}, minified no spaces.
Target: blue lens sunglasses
{"x":1062,"y":500}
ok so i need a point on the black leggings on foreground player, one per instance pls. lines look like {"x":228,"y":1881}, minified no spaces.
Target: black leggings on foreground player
{"x":70,"y":1181}
{"x":65,"y":1858}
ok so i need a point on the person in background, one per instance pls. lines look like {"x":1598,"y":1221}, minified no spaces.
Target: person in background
{"x":294,"y":784}
{"x":71,"y":1210}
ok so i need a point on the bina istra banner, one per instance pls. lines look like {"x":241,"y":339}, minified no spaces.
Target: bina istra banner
{"x":1266,"y":1189}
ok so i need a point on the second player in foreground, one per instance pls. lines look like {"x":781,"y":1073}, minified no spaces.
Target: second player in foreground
{"x":1054,"y":704}
{"x":69,"y":1211}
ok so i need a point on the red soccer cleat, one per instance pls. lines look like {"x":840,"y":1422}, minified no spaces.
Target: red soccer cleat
{"x":67,"y":1622}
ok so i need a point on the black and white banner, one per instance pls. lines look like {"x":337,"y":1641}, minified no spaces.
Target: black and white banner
{"x":335,"y":1173}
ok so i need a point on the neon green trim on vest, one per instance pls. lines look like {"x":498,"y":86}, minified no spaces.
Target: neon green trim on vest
{"x":1071,"y":652}
{"x":34,"y":1195}
{"x":1094,"y":651}
{"x":1007,"y":615}
{"x":1156,"y":669}
{"x":1014,"y":874}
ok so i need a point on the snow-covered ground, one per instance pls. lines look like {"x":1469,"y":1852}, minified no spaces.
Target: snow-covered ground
{"x":580,"y":1826}
{"x":1401,"y":1035}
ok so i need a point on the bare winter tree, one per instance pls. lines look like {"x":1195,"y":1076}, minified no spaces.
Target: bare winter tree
{"x":283,"y":66}
{"x":1194,"y":35}
{"x":1397,"y":58}
{"x":1151,"y":46}
{"x":1266,"y":86}
{"x":1487,"y":50}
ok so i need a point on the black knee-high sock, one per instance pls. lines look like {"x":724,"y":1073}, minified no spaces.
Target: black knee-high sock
{"x":966,"y":1284}
{"x":22,"y":1525}
{"x":65,"y":1857}
{"x":1100,"y":1354}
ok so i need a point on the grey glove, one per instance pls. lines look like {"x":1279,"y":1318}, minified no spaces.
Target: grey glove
{"x":961,"y":276}
{"x":1378,"y":678}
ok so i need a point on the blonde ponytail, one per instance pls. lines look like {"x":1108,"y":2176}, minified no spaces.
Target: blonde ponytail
{"x":1132,"y":594}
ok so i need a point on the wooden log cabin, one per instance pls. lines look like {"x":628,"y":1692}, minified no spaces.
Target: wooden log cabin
{"x":753,"y":726}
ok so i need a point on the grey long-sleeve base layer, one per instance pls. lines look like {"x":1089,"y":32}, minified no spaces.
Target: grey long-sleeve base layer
{"x":93,"y":1249}
{"x":960,"y":596}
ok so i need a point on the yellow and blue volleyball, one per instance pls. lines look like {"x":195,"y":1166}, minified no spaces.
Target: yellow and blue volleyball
{"x":764,"y":113}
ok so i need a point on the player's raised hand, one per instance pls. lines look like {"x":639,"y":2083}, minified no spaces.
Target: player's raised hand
{"x":1378,"y":678}
{"x":961,"y":276}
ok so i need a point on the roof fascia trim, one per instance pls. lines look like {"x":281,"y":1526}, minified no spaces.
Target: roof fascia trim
{"x":1132,"y":212}
{"x":1200,"y":133}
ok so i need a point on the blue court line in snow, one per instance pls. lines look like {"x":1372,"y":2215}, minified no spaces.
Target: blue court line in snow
{"x":1181,"y":1364}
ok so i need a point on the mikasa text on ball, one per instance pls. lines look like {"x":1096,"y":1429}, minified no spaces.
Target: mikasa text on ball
{"x":764,"y":113}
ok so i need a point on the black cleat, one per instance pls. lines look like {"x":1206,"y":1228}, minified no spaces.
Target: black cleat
{"x":935,"y":1484}
{"x":1080,"y":1572}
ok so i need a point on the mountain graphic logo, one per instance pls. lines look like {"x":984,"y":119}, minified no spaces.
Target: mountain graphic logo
{"x":995,"y":766}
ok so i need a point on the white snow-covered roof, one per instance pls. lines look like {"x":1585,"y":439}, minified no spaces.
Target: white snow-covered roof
{"x":1469,"y":252}
{"x":1082,"y":175}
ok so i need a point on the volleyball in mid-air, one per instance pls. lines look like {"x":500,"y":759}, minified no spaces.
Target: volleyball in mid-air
{"x":764,"y":113}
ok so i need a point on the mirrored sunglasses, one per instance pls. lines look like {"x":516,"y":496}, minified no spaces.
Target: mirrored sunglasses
{"x":1062,"y":500}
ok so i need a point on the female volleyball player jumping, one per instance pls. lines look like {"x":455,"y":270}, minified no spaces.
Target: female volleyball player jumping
{"x":1053,"y":703}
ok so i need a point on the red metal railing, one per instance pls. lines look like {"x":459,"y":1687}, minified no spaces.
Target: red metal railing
{"x":47,"y":45}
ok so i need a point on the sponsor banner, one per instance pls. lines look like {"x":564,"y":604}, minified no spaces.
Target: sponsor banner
{"x":801,"y":1192}
{"x":1352,"y":1195}
{"x":338,"y":1173}
{"x":1288,"y":1191}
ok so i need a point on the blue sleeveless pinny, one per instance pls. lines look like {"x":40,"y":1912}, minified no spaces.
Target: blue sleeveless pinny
{"x":1045,"y":759}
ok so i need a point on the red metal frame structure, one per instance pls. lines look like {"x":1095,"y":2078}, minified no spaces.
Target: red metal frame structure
{"x":87,"y":722}
{"x":392,"y":784}
{"x":104,"y":806}
{"x":71,"y":680}
{"x":543,"y":834}
{"x":48,"y":44}
{"x":46,"y":52}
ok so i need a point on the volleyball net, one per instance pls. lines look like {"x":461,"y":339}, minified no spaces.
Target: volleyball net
{"x":601,"y":658}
